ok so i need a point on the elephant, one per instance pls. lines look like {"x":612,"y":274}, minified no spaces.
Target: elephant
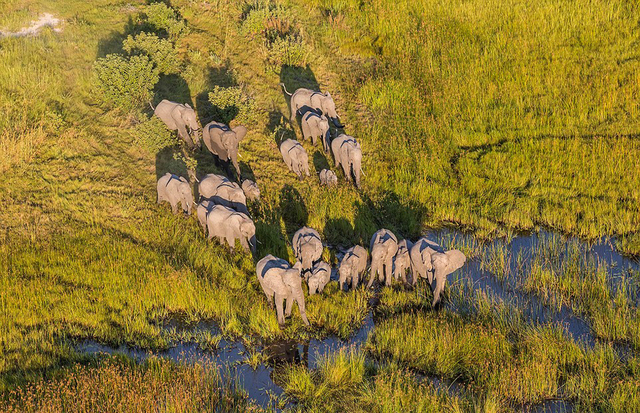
{"x":223,"y":141}
{"x":202,"y":211}
{"x":304,"y":100}
{"x":295,"y":157}
{"x":347,"y":153}
{"x":314,"y":125}
{"x":430,"y":261}
{"x":222,"y":191}
{"x":353,"y":265}
{"x":279,"y":280}
{"x":384,"y":246}
{"x":307,"y":247}
{"x":320,"y":275}
{"x":402,"y":262}
{"x":328,"y":177}
{"x":179,"y":117}
{"x":175,"y":189}
{"x":251,"y":190}
{"x":229,"y":225}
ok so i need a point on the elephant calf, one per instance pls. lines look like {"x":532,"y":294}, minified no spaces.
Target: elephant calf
{"x":175,"y":190}
{"x":328,"y":178}
{"x":307,"y":247}
{"x":251,"y":190}
{"x":229,"y":225}
{"x":314,"y":126}
{"x":430,"y":261}
{"x":402,"y":262}
{"x":384,"y":246}
{"x":295,"y":156}
{"x":223,"y":192}
{"x":348,"y":154}
{"x":319,"y":277}
{"x":278,"y":280}
{"x":353,"y":265}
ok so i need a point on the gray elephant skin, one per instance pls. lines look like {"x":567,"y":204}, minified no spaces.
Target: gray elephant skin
{"x":179,"y":117}
{"x":175,"y":190}
{"x":314,"y":126}
{"x":328,"y":178}
{"x":202,"y":211}
{"x":229,"y":225}
{"x":295,"y":156}
{"x":307,"y":247}
{"x":353,"y":266}
{"x":281,"y":282}
{"x":402,"y":261}
{"x":430,"y":261}
{"x":224,"y":142}
{"x":304,"y":100}
{"x":384,"y":246}
{"x":348,"y":154}
{"x":222,"y":191}
{"x":320,"y":276}
{"x":251,"y":190}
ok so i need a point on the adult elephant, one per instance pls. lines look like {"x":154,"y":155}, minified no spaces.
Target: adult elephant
{"x":295,"y":156}
{"x":402,"y":261}
{"x":353,"y":266}
{"x":222,"y":191}
{"x":314,"y":126}
{"x":223,"y":141}
{"x":307,"y":247}
{"x":179,"y":117}
{"x":281,"y":282}
{"x":304,"y":100}
{"x":348,"y":154}
{"x":430,"y":261}
{"x":175,"y":190}
{"x":384,"y":246}
{"x":229,"y":225}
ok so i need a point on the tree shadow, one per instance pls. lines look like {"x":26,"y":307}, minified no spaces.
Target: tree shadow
{"x":207,"y":112}
{"x":292,"y":209}
{"x":174,"y":88}
{"x":320,"y":161}
{"x":166,"y":162}
{"x":113,"y":42}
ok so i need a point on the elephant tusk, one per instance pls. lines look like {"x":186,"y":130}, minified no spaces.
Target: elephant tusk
{"x":258,"y":241}
{"x":363,"y":172}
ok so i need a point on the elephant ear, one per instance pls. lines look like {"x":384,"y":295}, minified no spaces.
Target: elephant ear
{"x":187,"y":105}
{"x":456,"y":259}
{"x":240,"y":132}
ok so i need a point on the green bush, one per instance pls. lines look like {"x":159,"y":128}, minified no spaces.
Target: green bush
{"x":160,"y":51}
{"x":286,"y":51}
{"x":162,"y":17}
{"x":153,"y":135}
{"x":125,"y":82}
{"x":231,"y":103}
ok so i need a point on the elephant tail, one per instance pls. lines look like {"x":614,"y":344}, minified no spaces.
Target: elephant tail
{"x":285,"y":89}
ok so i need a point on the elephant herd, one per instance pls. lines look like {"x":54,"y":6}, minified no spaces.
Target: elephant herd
{"x":222,"y":210}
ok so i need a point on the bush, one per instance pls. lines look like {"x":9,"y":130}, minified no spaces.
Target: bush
{"x":153,"y":135}
{"x":231,"y":103}
{"x":286,"y":51}
{"x":161,"y":17}
{"x":125,"y":82}
{"x":160,"y":51}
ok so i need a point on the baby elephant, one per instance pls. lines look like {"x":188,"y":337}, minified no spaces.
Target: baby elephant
{"x":229,"y":225}
{"x":314,"y":125}
{"x":319,"y":277}
{"x":353,"y":265}
{"x":202,"y":211}
{"x":223,"y":192}
{"x":384,"y":246}
{"x":347,"y":153}
{"x":295,"y":157}
{"x":402,"y":262}
{"x":328,"y":178}
{"x":307,"y":247}
{"x":251,"y":190}
{"x":175,"y":190}
{"x":279,"y":280}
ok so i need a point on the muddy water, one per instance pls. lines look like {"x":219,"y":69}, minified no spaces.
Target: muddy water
{"x":259,"y":383}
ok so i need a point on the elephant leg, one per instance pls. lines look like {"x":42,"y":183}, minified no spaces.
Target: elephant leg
{"x":289,"y":307}
{"x":269,"y":298}
{"x":355,"y":279}
{"x":388,"y":272}
{"x":346,"y":167}
{"x":279,"y":312}
{"x":303,"y":311}
{"x":174,"y":207}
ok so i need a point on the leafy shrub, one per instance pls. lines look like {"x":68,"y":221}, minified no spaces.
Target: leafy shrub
{"x":153,"y":135}
{"x":162,"y":17}
{"x":259,"y":17}
{"x":125,"y":82}
{"x":231,"y":103}
{"x":286,"y":51}
{"x":160,"y":51}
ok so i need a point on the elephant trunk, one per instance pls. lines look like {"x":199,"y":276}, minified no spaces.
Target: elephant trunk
{"x":252,"y":244}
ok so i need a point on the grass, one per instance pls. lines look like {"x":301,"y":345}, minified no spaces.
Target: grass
{"x":494,"y":116}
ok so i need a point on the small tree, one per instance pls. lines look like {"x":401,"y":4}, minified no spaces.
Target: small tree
{"x":231,"y":103}
{"x":162,"y":17}
{"x":160,"y":51}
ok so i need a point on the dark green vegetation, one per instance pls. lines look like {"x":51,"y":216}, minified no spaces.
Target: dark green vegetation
{"x":496,"y":116}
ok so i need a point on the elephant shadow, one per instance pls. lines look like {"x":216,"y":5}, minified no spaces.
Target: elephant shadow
{"x":174,"y":88}
{"x":166,"y":162}
{"x":113,"y":42}
{"x":293,"y":209}
{"x":320,"y":161}
{"x":278,"y":127}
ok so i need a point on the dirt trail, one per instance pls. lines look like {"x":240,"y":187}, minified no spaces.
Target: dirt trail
{"x":46,"y":20}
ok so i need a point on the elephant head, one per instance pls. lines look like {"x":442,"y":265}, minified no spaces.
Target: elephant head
{"x":291,"y":278}
{"x":328,"y":107}
{"x":186,"y":197}
{"x":403,"y":260}
{"x":230,"y":141}
{"x":444,"y":264}
{"x":248,"y":232}
{"x":187,"y":116}
{"x":355,"y":158}
{"x":323,"y":126}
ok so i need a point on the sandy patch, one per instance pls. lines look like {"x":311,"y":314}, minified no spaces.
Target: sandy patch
{"x":46,"y":20}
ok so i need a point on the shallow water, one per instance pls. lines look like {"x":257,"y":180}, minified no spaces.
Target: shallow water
{"x":259,"y":383}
